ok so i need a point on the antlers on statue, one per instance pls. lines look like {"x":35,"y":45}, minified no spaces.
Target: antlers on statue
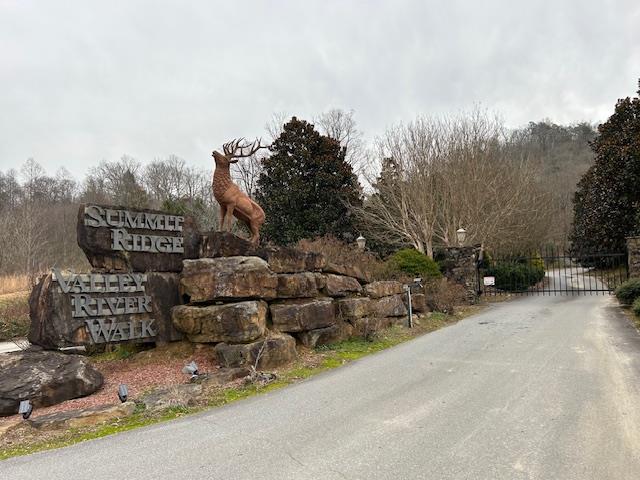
{"x":236,"y":148}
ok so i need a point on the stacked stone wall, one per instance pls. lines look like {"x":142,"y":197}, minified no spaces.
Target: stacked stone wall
{"x":254,"y":305}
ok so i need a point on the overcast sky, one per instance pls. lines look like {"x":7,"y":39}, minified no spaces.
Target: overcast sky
{"x":90,"y":80}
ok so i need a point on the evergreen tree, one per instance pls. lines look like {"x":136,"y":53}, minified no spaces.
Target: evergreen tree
{"x":608,"y":196}
{"x":306,"y":187}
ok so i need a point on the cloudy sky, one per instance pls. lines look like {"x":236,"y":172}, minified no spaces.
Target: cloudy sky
{"x":90,"y":80}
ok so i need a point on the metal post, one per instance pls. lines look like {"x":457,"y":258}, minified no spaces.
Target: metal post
{"x":408,"y":289}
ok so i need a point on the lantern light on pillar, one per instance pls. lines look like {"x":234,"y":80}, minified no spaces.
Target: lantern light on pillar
{"x":461,"y":233}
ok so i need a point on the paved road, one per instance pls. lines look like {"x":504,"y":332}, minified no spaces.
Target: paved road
{"x":538,"y":388}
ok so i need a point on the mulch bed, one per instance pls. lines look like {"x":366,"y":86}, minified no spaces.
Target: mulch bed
{"x":141,"y":372}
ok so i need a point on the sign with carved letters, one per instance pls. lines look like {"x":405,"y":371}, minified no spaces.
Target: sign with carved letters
{"x":102,"y":300}
{"x":126,"y":239}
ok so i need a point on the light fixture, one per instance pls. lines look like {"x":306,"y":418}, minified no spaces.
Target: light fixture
{"x":123,"y":392}
{"x":191,"y":369}
{"x":361,"y":241}
{"x":25,"y":409}
{"x":461,"y":233}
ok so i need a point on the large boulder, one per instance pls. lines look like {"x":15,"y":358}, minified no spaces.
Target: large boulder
{"x":45,"y":378}
{"x":383,"y":289}
{"x":327,"y":335}
{"x":392,"y":306}
{"x":341,"y":286}
{"x":280,"y":259}
{"x":240,"y":322}
{"x":356,"y":307}
{"x":91,"y":309}
{"x":227,"y":279}
{"x":300,"y":315}
{"x":298,"y":285}
{"x":418,"y":302}
{"x":136,"y":240}
{"x":271,"y":352}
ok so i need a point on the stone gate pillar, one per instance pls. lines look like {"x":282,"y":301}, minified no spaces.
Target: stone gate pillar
{"x":461,"y":266}
{"x":633,"y":252}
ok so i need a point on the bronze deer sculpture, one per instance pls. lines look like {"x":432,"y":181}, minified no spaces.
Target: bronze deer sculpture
{"x":233,"y":201}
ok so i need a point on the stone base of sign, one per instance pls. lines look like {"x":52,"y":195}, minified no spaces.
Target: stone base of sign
{"x":103,"y":308}
{"x":44,"y":378}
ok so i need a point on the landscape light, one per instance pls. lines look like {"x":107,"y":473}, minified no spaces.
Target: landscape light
{"x":123,"y":392}
{"x":361,"y":241}
{"x":191,"y":369}
{"x":461,"y":233}
{"x":25,"y":409}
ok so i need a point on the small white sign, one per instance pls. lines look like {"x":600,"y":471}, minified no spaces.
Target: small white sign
{"x":489,"y":281}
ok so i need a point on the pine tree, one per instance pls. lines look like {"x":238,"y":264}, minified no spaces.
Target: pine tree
{"x":607,"y":201}
{"x":306,"y":186}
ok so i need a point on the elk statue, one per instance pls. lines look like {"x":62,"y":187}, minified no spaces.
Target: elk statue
{"x":232,"y":200}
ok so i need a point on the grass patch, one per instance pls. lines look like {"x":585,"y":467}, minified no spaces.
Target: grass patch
{"x":14,"y":315}
{"x":311,"y":363}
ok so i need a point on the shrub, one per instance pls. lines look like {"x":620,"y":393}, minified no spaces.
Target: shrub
{"x":629,"y":291}
{"x":636,"y":306}
{"x":412,"y":262}
{"x":339,"y":252}
{"x":443,"y":295}
{"x":516,"y":276}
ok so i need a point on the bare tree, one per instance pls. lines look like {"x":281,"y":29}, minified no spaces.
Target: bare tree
{"x":275,"y":124}
{"x":247,"y":172}
{"x":462,"y":171}
{"x":341,"y":126}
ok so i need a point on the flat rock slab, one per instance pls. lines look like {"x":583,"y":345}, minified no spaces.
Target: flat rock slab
{"x":45,"y":378}
{"x":240,"y":322}
{"x":227,"y":279}
{"x":383,"y":289}
{"x":325,"y":336}
{"x":84,"y":417}
{"x":301,"y":315}
{"x":135,"y":240}
{"x":272,"y":352}
{"x":341,"y":286}
{"x":67,"y":309}
{"x":280,"y":259}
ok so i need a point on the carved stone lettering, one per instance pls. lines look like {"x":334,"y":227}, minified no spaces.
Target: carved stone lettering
{"x":118,"y":239}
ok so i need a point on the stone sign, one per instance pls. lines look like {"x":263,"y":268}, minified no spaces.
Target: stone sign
{"x":70,"y":309}
{"x":123,"y":239}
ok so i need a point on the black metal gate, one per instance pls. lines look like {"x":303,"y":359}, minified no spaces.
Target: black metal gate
{"x":552,"y":271}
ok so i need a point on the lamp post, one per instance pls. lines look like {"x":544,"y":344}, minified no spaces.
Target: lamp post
{"x":461,"y":233}
{"x":361,"y":241}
